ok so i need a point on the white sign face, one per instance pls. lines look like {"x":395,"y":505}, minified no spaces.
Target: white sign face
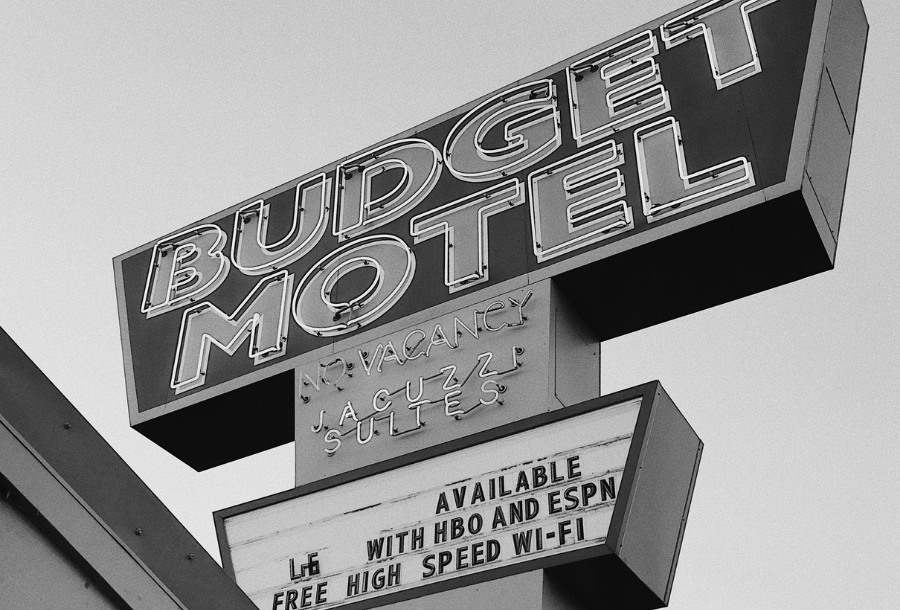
{"x":534,"y":494}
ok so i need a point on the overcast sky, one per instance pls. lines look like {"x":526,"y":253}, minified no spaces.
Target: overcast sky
{"x":123,"y":121}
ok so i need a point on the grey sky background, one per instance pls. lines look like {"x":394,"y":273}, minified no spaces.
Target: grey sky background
{"x":123,"y":121}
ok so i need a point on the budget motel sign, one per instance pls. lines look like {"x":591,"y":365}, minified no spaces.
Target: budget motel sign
{"x":697,"y":159}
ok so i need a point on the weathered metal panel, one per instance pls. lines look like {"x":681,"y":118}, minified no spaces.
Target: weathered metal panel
{"x":844,"y":54}
{"x":829,"y":152}
{"x":829,"y":157}
{"x":654,"y":526}
{"x":577,"y":355}
{"x":74,"y":529}
{"x":34,"y":572}
{"x":98,"y":503}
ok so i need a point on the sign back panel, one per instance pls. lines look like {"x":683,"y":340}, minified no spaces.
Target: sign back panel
{"x":694,"y":160}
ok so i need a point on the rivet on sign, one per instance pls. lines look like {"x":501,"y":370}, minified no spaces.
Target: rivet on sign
{"x":67,"y":426}
{"x":578,"y":77}
{"x":138,"y":531}
{"x":190,"y":556}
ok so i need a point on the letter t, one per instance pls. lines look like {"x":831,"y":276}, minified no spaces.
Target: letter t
{"x":464,"y":225}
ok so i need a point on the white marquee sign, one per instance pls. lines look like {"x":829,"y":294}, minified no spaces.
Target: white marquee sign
{"x":528,"y":496}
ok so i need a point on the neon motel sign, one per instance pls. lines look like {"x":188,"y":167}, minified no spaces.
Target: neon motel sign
{"x":646,"y":159}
